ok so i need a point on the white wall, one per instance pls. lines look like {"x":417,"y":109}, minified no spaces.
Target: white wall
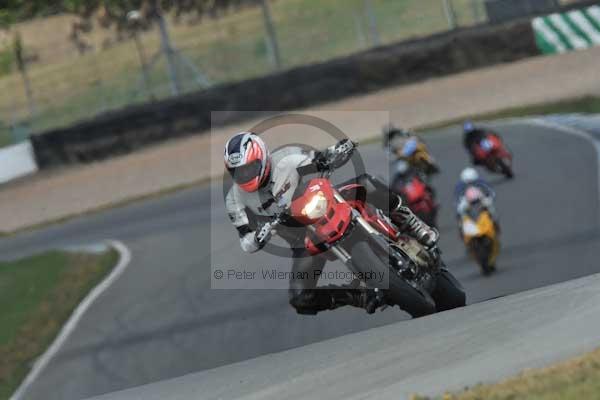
{"x":16,"y":160}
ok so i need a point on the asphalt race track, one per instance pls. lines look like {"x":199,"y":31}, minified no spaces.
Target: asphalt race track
{"x":160,"y":320}
{"x":486,"y":342}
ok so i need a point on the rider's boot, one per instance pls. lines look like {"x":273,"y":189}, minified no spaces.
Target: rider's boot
{"x":330,"y":297}
{"x":369,"y":299}
{"x":408,"y":222}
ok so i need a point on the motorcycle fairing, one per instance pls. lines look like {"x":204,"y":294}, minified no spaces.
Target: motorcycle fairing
{"x":478,"y":225}
{"x":415,"y":190}
{"x":332,"y":226}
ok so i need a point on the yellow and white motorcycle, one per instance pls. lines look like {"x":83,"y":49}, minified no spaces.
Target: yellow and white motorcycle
{"x":479,"y":231}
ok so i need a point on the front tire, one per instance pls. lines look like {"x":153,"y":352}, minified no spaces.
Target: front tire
{"x":398,"y":292}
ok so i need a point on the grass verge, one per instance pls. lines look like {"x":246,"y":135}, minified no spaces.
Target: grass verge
{"x":37,"y":295}
{"x":575,"y":379}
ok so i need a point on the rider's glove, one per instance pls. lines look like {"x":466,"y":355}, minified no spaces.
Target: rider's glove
{"x":487,"y":202}
{"x":462,"y":207}
{"x":263,"y":234}
{"x":341,"y":152}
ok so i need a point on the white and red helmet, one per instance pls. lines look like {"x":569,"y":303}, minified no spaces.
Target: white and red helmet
{"x":248,"y":161}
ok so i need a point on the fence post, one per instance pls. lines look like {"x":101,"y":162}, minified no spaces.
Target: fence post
{"x":476,"y":13}
{"x":374,"y":33}
{"x":99,"y":84}
{"x":273,"y":45}
{"x":360,"y":32}
{"x":143,"y":64}
{"x":134,"y":18}
{"x":22,"y":67}
{"x":450,"y":15}
{"x":167,"y":50}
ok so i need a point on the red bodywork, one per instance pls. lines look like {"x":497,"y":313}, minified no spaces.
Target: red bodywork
{"x":418,"y":197}
{"x":336,"y":221}
{"x":497,"y":150}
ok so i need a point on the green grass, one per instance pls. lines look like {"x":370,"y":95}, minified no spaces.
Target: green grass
{"x":231,"y":48}
{"x":37,"y":295}
{"x":575,"y":379}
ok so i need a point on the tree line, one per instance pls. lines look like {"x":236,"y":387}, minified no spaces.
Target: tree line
{"x":113,"y":12}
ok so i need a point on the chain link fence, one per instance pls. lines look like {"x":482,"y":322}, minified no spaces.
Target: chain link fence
{"x":68,"y":83}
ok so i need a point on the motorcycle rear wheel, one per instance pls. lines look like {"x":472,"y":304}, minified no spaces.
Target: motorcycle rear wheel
{"x":398,"y":292}
{"x":505,"y":169}
{"x":448,"y":293}
{"x":482,"y":249}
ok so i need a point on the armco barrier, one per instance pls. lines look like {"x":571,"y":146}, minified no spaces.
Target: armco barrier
{"x":572,"y":30}
{"x":16,"y":161}
{"x":128,"y":129}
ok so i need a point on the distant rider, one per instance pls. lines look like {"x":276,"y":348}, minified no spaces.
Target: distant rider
{"x":402,"y":174}
{"x":263,"y":185}
{"x":403,"y":144}
{"x":469,"y":177}
{"x":399,"y":142}
{"x":473,"y":136}
{"x":394,"y":138}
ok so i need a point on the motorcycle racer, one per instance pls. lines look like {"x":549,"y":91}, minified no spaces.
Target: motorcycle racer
{"x":402,"y":144}
{"x":469,"y":178}
{"x":263,"y":185}
{"x":416,"y":192}
{"x":473,"y":136}
{"x":394,"y":138}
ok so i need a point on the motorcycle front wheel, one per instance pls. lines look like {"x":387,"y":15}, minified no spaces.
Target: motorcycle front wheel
{"x":397,"y":291}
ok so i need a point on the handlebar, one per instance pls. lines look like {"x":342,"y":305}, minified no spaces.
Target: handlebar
{"x":326,"y":172}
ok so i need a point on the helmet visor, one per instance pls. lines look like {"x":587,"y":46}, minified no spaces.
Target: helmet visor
{"x":245,"y":173}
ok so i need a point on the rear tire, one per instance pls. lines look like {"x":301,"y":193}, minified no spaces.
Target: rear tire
{"x":448,"y":293}
{"x":482,"y":250}
{"x":399,"y":292}
{"x":505,"y":169}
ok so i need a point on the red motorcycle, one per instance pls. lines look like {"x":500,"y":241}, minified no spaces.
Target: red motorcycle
{"x":494,"y":155}
{"x":419,"y":197}
{"x":340,"y":224}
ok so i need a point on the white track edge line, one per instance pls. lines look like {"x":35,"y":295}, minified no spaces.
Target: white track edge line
{"x":71,"y":324}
